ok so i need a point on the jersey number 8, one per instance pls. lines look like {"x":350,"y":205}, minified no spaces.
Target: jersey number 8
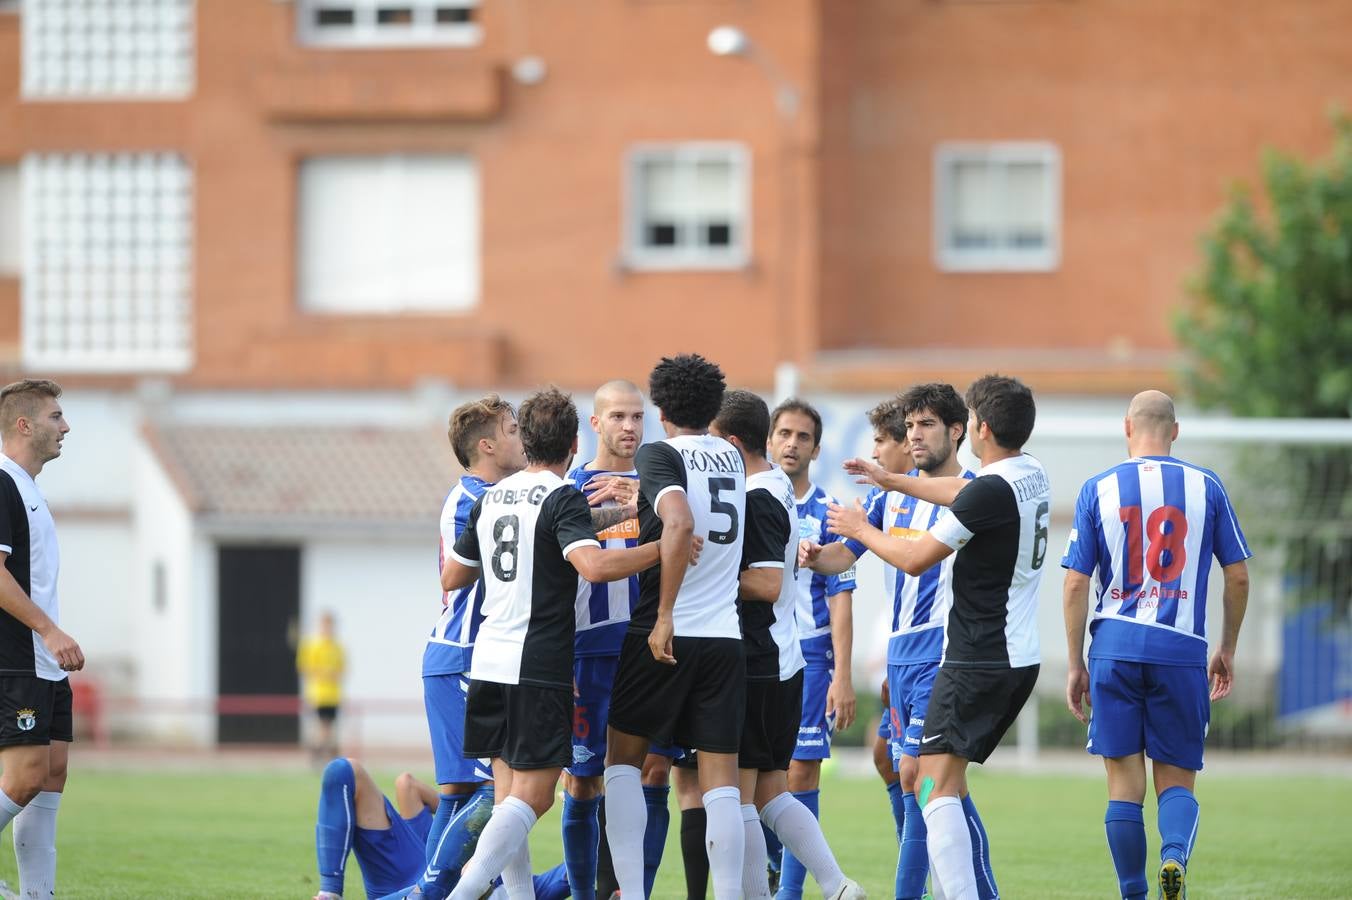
{"x":506,"y":538}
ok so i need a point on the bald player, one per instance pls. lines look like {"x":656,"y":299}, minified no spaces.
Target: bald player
{"x":1149,"y":527}
{"x":610,"y":483}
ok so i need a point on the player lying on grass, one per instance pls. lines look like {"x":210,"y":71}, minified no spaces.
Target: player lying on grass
{"x":387,"y":838}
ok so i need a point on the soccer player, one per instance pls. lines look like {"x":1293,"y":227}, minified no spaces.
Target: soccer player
{"x":319,"y":660}
{"x":610,"y":483}
{"x":682,"y":674}
{"x":387,"y":838}
{"x":35,"y":654}
{"x":935,"y":422}
{"x":998,"y":524}
{"x":487,"y":443}
{"x":774,"y":660}
{"x":1149,"y":527}
{"x":532,"y":536}
{"x":825,"y":626}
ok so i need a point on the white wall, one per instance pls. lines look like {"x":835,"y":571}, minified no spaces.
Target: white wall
{"x":96,"y":593}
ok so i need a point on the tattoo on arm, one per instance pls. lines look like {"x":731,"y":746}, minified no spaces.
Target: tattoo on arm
{"x":610,"y":516}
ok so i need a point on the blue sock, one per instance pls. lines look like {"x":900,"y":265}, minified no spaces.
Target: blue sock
{"x":913,"y":860}
{"x":774,"y":850}
{"x":897,"y":799}
{"x":793,"y":874}
{"x":981,"y":852}
{"x":581,"y":833}
{"x":447,"y":806}
{"x":553,"y":885}
{"x":1178,"y":816}
{"x":335,"y":822}
{"x":655,"y":836}
{"x":457,"y":843}
{"x":1125,"y":825}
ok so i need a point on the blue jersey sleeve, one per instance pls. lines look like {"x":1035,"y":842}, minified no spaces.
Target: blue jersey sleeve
{"x":1082,"y":547}
{"x":875,"y":504}
{"x":1228,"y":541}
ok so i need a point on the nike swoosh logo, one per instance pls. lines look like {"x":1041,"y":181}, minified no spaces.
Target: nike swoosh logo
{"x":32,"y":509}
{"x":928,"y":739}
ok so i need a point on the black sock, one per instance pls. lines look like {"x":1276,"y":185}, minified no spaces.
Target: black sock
{"x":693,"y":854}
{"x":606,"y":885}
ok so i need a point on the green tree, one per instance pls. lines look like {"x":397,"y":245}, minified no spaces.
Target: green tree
{"x":1270,"y":330}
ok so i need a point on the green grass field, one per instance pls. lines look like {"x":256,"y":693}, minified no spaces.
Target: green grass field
{"x":125,"y":835}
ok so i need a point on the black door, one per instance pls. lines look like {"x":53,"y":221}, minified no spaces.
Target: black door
{"x":258,"y":595}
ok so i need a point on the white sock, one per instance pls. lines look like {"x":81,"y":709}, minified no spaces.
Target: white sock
{"x":35,"y":845}
{"x":755,"y":881}
{"x":8,"y":810}
{"x":724,"y":841}
{"x":626,"y":820}
{"x":950,"y":848}
{"x":516,"y":876}
{"x":800,"y":831}
{"x":502,"y":838}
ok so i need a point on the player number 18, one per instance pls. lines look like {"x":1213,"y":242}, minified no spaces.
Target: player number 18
{"x":1165,"y":531}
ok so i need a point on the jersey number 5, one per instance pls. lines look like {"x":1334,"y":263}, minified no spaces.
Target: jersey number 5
{"x":717,"y":505}
{"x":506,"y":538}
{"x":1160,"y":542}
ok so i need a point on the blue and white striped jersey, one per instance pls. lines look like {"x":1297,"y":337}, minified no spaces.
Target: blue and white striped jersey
{"x":1150,"y":527}
{"x":451,"y":643}
{"x":920,"y":604}
{"x":603,"y":609}
{"x":814,"y":615}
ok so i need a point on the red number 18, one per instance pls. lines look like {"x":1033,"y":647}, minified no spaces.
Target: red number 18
{"x":1161,"y":541}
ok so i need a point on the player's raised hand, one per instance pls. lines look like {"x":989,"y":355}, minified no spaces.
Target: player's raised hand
{"x":1222,"y":673}
{"x":846,"y":521}
{"x":865,"y":471}
{"x":1077,"y":692}
{"x":659,"y":641}
{"x":600,"y":488}
{"x":808,"y":551}
{"x":696,"y":545}
{"x":64,"y":647}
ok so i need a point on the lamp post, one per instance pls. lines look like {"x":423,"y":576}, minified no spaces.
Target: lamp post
{"x":730,"y":41}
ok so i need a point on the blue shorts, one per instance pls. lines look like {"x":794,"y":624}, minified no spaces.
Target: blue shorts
{"x":909,"y":689}
{"x":1163,"y":710}
{"x":392,"y":858}
{"x":815,"y":730}
{"x":444,"y":697}
{"x":593,"y":677}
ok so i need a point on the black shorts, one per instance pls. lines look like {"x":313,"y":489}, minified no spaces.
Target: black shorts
{"x":774,"y":710}
{"x":699,"y":703}
{"x":524,"y":725}
{"x":326,"y":713}
{"x":34,"y":711}
{"x":971,"y":709}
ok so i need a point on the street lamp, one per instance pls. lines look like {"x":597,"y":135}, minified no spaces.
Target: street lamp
{"x":727,"y":41}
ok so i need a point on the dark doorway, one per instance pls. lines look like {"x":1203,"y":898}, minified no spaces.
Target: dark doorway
{"x":258,"y":597}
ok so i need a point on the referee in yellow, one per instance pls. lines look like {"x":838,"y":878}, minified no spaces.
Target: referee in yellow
{"x":319,"y":660}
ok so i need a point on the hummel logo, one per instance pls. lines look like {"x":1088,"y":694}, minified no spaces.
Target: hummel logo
{"x":928,"y":739}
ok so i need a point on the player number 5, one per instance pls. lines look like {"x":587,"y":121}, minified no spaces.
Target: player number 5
{"x":717,"y":505}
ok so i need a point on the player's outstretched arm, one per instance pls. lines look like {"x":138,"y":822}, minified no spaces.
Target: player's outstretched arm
{"x":939,"y":491}
{"x":840,"y":695}
{"x":1235,"y":602}
{"x":1075,"y":606}
{"x":18,"y":604}
{"x":911,"y":556}
{"x":825,"y":559}
{"x":600,"y":566}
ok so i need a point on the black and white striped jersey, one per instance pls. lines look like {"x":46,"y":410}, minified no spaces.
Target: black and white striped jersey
{"x":770,"y":630}
{"x":520,"y":533}
{"x":709,"y":471}
{"x":998,"y":525}
{"x":28,"y":536}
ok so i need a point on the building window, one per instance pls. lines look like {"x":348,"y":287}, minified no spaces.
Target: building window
{"x":108,"y":49}
{"x":997,"y":207}
{"x":11,"y":245}
{"x":386,"y":23}
{"x":389,"y":234}
{"x":107,"y":284}
{"x":688,"y":207}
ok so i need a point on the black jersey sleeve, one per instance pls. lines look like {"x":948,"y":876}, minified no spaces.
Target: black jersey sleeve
{"x":659,"y":468}
{"x":466,"y":548}
{"x":11,"y":505}
{"x":767,"y":530}
{"x":568,"y":515}
{"x":988,"y":502}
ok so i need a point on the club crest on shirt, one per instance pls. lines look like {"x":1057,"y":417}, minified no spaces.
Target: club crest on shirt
{"x":26,"y":719}
{"x":809,"y":526}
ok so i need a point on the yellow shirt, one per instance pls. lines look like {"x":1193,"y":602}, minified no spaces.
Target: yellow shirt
{"x":320,"y":663}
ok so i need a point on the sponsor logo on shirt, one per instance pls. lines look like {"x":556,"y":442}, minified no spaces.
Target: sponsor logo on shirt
{"x":906,"y":534}
{"x":626,"y":529}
